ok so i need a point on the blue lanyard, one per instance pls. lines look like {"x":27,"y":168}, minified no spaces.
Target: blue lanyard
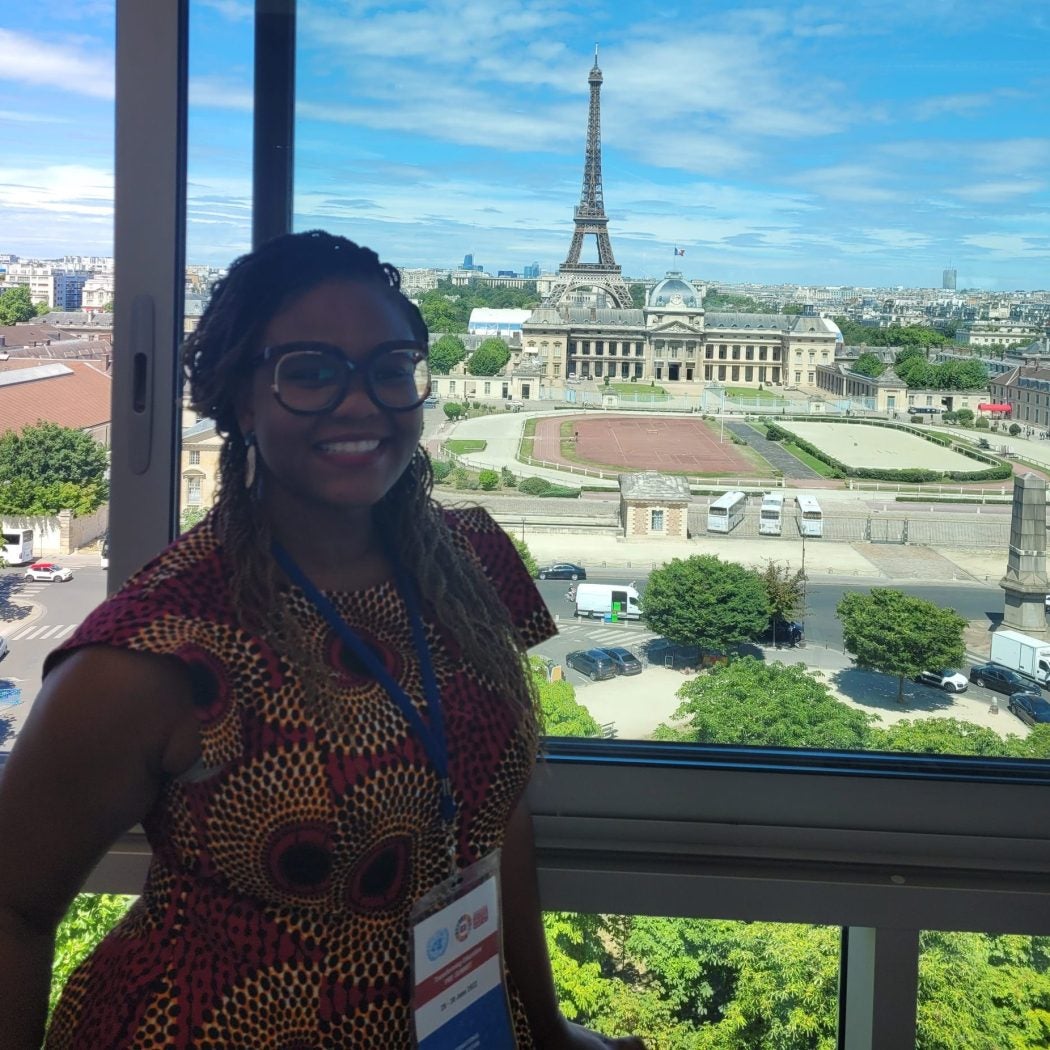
{"x":432,"y":736}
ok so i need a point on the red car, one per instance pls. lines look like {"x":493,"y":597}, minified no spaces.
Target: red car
{"x":48,"y":570}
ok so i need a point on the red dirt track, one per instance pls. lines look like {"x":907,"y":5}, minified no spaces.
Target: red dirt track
{"x":639,"y":443}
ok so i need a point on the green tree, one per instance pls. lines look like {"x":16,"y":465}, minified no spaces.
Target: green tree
{"x":525,"y":554}
{"x":562,"y":715}
{"x":748,"y":701}
{"x":785,"y":590}
{"x":452,"y":409}
{"x":47,"y":468}
{"x":896,"y":633}
{"x":942,"y":736}
{"x":16,"y":305}
{"x":791,"y":308}
{"x":705,"y":601}
{"x":89,"y":918}
{"x":637,"y":296}
{"x":191,"y":516}
{"x":488,"y":479}
{"x":869,"y":364}
{"x":489,"y":358}
{"x":446,"y":353}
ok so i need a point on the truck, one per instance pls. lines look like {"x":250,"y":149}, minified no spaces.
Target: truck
{"x":619,"y":600}
{"x":1022,"y":653}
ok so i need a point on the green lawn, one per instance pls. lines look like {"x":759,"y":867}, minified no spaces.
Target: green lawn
{"x":810,"y":460}
{"x":635,"y":390}
{"x":752,"y":392}
{"x":460,"y":445}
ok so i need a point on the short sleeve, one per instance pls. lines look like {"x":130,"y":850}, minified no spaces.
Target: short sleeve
{"x":506,"y":571}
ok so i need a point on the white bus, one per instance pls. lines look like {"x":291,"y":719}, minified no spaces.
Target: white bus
{"x":18,"y":546}
{"x":726,"y":512}
{"x":810,"y":516}
{"x":771,"y":516}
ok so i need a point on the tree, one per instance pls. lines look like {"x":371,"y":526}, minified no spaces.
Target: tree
{"x":89,"y":918}
{"x":191,"y":516}
{"x":446,"y":353}
{"x":488,"y":479}
{"x":941,"y":736}
{"x":785,"y":590}
{"x":489,"y":358}
{"x":452,"y":409}
{"x":869,"y":364}
{"x":748,"y":701}
{"x":526,"y":555}
{"x":637,"y":295}
{"x":896,"y":633}
{"x":16,"y":305}
{"x":47,"y":468}
{"x":705,"y":601}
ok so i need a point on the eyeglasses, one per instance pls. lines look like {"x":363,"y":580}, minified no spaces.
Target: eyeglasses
{"x":310,"y":378}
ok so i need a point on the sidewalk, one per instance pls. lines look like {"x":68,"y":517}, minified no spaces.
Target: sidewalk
{"x":822,"y":558}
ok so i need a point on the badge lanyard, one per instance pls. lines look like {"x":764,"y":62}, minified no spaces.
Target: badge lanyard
{"x":432,"y":736}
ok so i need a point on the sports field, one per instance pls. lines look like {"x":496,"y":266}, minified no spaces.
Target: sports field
{"x":858,"y":445}
{"x":671,"y":444}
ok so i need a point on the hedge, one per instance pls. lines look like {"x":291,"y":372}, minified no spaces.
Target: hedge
{"x":442,"y":468}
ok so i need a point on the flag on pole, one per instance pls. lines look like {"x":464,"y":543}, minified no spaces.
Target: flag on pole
{"x":679,"y":251}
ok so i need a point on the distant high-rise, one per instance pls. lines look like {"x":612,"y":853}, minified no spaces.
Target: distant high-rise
{"x":468,"y":261}
{"x":948,"y":279}
{"x":531,"y":271}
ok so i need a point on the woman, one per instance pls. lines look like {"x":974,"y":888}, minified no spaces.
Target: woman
{"x":315,"y":703}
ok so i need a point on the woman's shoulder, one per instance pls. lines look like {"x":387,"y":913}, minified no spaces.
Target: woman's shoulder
{"x":185,"y":585}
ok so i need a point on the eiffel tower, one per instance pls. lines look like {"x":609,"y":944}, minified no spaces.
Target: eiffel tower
{"x":589,"y":217}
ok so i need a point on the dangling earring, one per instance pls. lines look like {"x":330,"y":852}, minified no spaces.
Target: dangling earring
{"x":249,"y":459}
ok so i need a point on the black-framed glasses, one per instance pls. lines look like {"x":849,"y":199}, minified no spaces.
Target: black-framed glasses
{"x":312,"y":378}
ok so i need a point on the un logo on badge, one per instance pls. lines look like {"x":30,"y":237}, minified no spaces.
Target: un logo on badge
{"x":437,"y":944}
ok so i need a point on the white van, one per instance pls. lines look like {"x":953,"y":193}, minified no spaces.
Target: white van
{"x":606,"y":599}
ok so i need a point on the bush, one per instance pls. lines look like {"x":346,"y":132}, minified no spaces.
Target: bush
{"x":965,"y":417}
{"x":442,"y":468}
{"x":775,"y":433}
{"x":1015,"y":429}
{"x":488,"y":480}
{"x":453,"y":409}
{"x":464,"y":479}
{"x":916,"y":419}
{"x":507,"y":478}
{"x":949,"y":417}
{"x":534,"y":486}
{"x":983,"y":423}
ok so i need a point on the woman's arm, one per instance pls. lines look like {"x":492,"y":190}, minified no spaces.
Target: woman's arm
{"x":105,"y":730}
{"x":525,"y":946}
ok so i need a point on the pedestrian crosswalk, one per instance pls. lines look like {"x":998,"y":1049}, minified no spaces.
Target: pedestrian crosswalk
{"x":42,"y":631}
{"x":603,"y":634}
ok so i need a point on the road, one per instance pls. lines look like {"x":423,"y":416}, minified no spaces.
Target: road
{"x":64,"y":605}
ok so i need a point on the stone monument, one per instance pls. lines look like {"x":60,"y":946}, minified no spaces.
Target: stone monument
{"x":1025,"y":582}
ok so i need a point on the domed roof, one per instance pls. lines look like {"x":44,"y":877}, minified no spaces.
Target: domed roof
{"x":673,"y":292}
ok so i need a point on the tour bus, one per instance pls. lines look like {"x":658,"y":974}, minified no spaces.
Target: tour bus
{"x":18,"y":546}
{"x":771,"y":516}
{"x":810,"y":516}
{"x":726,"y":512}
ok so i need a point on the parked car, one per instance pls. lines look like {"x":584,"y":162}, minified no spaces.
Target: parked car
{"x":572,"y":377}
{"x":431,"y":401}
{"x":564,"y":570}
{"x":783,"y":632}
{"x":594,"y":663}
{"x":48,"y":570}
{"x":626,"y":662}
{"x":1029,"y":707}
{"x":4,"y":647}
{"x":1001,"y":679}
{"x":948,"y":679}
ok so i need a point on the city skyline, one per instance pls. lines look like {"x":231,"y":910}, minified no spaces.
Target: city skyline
{"x":774,"y":144}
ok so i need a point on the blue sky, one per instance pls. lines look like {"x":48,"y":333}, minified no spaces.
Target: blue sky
{"x":868,"y":144}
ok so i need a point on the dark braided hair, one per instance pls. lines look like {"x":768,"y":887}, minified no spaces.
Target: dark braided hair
{"x":215,"y":360}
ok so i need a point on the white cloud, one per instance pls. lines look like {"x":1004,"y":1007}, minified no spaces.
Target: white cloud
{"x":217,"y":92}
{"x":77,"y":66}
{"x":1000,"y":191}
{"x":73,"y":189}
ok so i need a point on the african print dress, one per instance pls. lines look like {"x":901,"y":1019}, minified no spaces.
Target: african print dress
{"x":286,"y":861}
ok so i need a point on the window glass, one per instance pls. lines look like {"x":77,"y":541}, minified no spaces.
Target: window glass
{"x":56,"y":333}
{"x":505,"y":192}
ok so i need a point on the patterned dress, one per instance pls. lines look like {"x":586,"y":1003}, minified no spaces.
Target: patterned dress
{"x":286,"y":861}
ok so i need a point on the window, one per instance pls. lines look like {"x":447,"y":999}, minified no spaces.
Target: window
{"x":195,"y":457}
{"x":193,"y":490}
{"x":656,"y":521}
{"x":862,"y":801}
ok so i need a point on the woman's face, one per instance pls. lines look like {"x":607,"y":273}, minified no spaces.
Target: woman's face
{"x":349,"y":457}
